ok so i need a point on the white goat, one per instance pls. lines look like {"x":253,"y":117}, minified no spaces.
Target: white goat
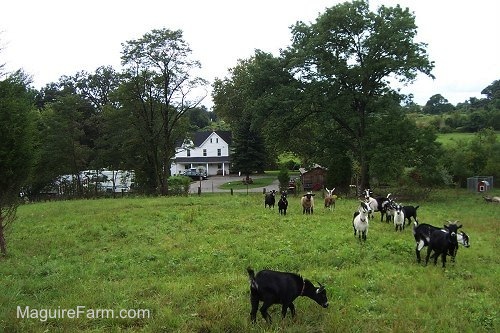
{"x":372,"y":202}
{"x":360,"y":220}
{"x":399,"y":217}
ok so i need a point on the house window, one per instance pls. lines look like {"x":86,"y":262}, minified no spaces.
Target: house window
{"x":219,"y":152}
{"x":216,"y":140}
{"x":188,"y":153}
{"x":204,"y":152}
{"x":210,"y":140}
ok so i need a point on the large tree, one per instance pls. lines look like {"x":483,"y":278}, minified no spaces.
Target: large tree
{"x":348,"y":59}
{"x":437,"y":104}
{"x":16,"y":149}
{"x":255,"y":88}
{"x":160,"y":88}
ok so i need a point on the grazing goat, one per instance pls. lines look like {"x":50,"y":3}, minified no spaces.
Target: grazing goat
{"x":422,"y":233}
{"x":283,"y":288}
{"x":492,"y":199}
{"x":283,"y":203}
{"x":270,"y":199}
{"x":360,"y":220}
{"x":330,"y":198}
{"x":307,"y":202}
{"x":443,"y":242}
{"x":410,"y":212}
{"x":399,"y":217}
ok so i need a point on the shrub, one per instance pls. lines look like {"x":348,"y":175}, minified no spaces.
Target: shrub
{"x":179,"y":185}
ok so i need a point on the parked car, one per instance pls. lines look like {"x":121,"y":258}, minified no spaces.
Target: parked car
{"x":195,"y":174}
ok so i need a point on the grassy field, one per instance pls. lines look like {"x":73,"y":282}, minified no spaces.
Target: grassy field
{"x":256,"y":182}
{"x":453,"y":138}
{"x":184,"y":259}
{"x":448,"y":139}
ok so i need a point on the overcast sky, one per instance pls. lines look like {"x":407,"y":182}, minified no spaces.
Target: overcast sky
{"x":51,"y":38}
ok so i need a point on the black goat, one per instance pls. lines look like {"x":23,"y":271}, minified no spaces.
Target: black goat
{"x":283,"y":203}
{"x":270,"y":199}
{"x":410,"y":211}
{"x":422,"y":233}
{"x":272,"y":287}
{"x":443,"y":242}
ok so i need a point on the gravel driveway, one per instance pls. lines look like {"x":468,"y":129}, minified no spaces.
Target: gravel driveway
{"x":211,"y":185}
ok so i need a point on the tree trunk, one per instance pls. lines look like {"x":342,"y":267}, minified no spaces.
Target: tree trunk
{"x":3,"y":245}
{"x":364,"y":172}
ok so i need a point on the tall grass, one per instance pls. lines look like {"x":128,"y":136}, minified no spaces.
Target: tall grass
{"x":184,"y":259}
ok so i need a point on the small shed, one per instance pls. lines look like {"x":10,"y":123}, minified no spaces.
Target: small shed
{"x":480,"y":184}
{"x":314,"y":178}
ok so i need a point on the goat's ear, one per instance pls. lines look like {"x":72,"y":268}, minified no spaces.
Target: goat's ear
{"x":459,"y":226}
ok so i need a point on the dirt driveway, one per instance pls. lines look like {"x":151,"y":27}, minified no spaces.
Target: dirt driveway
{"x":211,"y":185}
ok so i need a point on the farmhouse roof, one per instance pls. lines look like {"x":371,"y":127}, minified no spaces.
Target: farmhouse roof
{"x":200,"y":137}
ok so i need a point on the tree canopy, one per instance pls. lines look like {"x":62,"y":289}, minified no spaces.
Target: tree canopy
{"x":16,"y":145}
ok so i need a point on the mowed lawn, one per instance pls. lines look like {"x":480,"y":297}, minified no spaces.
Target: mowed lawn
{"x":178,"y":264}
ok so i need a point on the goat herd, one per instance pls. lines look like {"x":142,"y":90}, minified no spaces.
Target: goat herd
{"x":272,"y":287}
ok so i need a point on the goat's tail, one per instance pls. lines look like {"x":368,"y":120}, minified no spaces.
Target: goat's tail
{"x":251,"y":278}
{"x":415,"y":225}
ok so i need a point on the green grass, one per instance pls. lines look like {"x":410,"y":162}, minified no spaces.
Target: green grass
{"x":257,"y":182}
{"x":448,"y":139}
{"x":184,"y":259}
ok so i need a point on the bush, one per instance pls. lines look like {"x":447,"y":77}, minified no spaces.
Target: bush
{"x":179,"y":185}
{"x":284,"y":179}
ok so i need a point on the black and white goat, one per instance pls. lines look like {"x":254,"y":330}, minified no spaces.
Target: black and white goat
{"x":360,"y":220}
{"x":283,"y":203}
{"x":410,"y":211}
{"x":307,"y":202}
{"x":330,"y":198}
{"x":390,"y":210}
{"x":272,"y":287}
{"x":443,"y":242}
{"x":270,"y":199}
{"x":399,"y":217}
{"x":422,"y":233}
{"x":379,"y":204}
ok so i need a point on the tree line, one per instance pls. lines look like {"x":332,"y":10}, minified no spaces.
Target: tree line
{"x":328,"y":99}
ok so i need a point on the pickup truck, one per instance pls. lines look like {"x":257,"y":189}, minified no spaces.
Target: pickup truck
{"x":195,"y":174}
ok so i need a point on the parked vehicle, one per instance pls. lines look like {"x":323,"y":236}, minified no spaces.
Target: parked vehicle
{"x":195,"y":174}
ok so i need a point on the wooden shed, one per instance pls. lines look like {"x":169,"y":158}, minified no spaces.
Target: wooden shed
{"x":313,"y":179}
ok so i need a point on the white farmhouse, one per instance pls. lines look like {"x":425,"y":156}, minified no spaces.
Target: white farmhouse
{"x":207,"y":152}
